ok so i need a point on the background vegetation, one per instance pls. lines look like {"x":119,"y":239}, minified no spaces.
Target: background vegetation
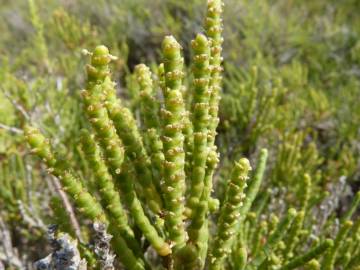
{"x":291,"y":85}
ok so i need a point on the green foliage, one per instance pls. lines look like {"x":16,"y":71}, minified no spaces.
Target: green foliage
{"x":155,"y":170}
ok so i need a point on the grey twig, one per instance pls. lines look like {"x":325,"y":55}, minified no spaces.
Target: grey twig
{"x":29,"y":217}
{"x":11,"y":129}
{"x":16,"y":105}
{"x":68,"y":208}
{"x":8,"y":254}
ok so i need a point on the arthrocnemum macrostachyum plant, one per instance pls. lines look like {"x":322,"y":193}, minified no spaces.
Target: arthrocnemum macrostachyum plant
{"x":158,"y":179}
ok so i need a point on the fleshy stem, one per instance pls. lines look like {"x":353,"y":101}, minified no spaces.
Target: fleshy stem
{"x":40,"y":41}
{"x":98,"y":79}
{"x":240,"y":258}
{"x":329,"y":259}
{"x":213,"y":28}
{"x":149,"y":108}
{"x":292,"y":237}
{"x":125,"y":254}
{"x":156,"y":155}
{"x":200,"y":118}
{"x":97,"y":114}
{"x":305,"y":192}
{"x":126,"y":181}
{"x":253,"y":188}
{"x":354,"y":205}
{"x":312,"y":265}
{"x":94,"y":97}
{"x":311,"y":254}
{"x":275,"y":237}
{"x":71,"y":185}
{"x":149,"y":105}
{"x":206,"y":199}
{"x":229,"y":214}
{"x":198,"y":203}
{"x":83,"y":200}
{"x":127,"y":129}
{"x":254,"y":185}
{"x":173,"y":141}
{"x":110,"y":199}
{"x":256,"y":241}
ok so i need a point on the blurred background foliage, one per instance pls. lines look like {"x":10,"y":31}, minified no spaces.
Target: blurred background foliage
{"x":291,"y":84}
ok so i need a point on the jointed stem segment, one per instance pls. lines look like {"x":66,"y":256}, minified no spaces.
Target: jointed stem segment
{"x":229,"y":215}
{"x":173,"y":141}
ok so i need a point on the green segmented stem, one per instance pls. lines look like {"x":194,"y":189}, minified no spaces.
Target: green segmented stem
{"x":256,"y":241}
{"x":346,"y":250}
{"x":240,"y":258}
{"x":272,"y":262}
{"x":311,"y":254}
{"x":229,"y":214}
{"x":124,"y":253}
{"x":354,"y":205}
{"x":253,"y":188}
{"x":125,"y":181}
{"x":126,"y":128}
{"x":40,"y":42}
{"x":187,"y":258}
{"x":312,"y":265}
{"x":330,"y":257}
{"x":200,"y":236}
{"x":103,"y":89}
{"x":200,"y":117}
{"x":255,"y":184}
{"x":292,"y":237}
{"x":356,"y":233}
{"x":84,"y":202}
{"x":150,"y":111}
{"x":346,"y":259}
{"x":110,"y":199}
{"x":98,"y":69}
{"x":213,"y":27}
{"x":305,"y":192}
{"x":197,"y":223}
{"x":278,"y":233}
{"x":157,"y":155}
{"x":188,"y":141}
{"x":273,"y":222}
{"x":97,"y":114}
{"x":161,"y":75}
{"x":87,"y":254}
{"x":61,"y":217}
{"x":354,"y":262}
{"x":106,"y":135}
{"x":72,"y":186}
{"x":198,"y":201}
{"x":214,"y":205}
{"x":149,"y":105}
{"x":173,"y":141}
